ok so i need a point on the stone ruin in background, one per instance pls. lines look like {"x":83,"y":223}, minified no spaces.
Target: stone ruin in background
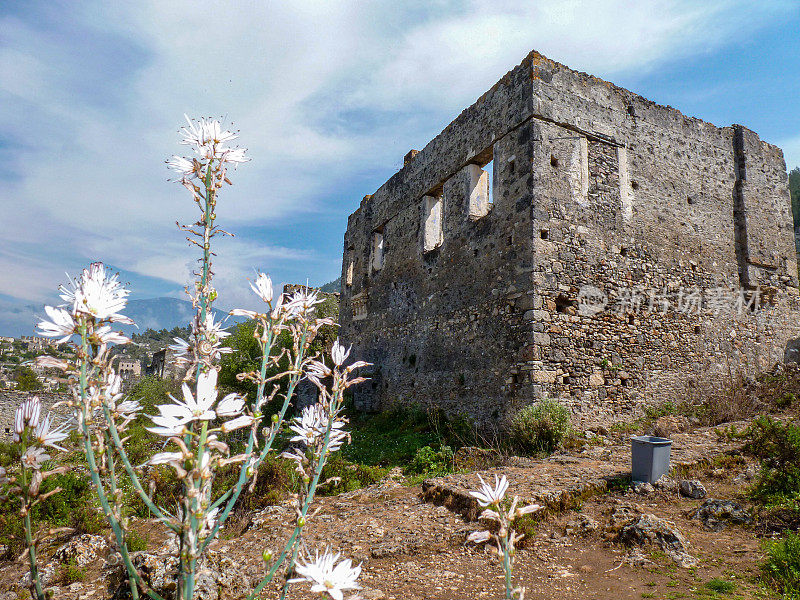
{"x":549,"y":242}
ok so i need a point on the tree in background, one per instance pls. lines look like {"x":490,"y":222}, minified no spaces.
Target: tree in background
{"x":26,"y":379}
{"x":794,"y":190}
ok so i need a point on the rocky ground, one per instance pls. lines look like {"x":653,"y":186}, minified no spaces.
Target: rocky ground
{"x":599,"y":537}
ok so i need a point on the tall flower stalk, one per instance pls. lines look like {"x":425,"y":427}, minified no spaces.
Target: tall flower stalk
{"x":93,"y":304}
{"x":503,"y":539}
{"x":33,"y":438}
{"x":196,"y":424}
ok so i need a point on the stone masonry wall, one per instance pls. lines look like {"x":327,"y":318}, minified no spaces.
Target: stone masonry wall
{"x":10,"y":400}
{"x":594,"y":188}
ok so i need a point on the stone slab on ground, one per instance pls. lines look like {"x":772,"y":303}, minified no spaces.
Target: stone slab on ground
{"x":561,"y":480}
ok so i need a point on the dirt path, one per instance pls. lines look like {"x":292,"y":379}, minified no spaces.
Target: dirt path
{"x":412,"y":548}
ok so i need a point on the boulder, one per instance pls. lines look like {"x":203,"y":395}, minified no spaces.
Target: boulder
{"x":82,"y":550}
{"x":670,"y":424}
{"x":651,"y":530}
{"x":716,"y":514}
{"x":692,"y":488}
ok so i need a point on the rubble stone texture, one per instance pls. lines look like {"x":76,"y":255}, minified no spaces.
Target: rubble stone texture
{"x":479,"y":298}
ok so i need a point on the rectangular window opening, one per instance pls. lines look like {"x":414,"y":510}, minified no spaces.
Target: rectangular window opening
{"x":481,"y":183}
{"x":377,"y":250}
{"x":348,"y":280}
{"x":433,"y":217}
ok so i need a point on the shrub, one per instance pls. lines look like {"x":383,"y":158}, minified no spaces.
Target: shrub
{"x":721,"y":586}
{"x":428,"y":461}
{"x":540,"y":427}
{"x":353,"y":476}
{"x":777,"y":446}
{"x":782,"y":567}
{"x":137,"y":542}
{"x":72,"y":573}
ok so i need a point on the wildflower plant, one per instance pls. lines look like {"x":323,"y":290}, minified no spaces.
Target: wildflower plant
{"x":502,"y":538}
{"x":33,"y":438}
{"x":196,"y":425}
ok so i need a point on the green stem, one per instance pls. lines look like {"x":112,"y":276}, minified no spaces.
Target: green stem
{"x":507,"y":566}
{"x":306,"y":505}
{"x":126,"y":463}
{"x":36,"y":584}
{"x":233,"y":494}
{"x":133,"y":575}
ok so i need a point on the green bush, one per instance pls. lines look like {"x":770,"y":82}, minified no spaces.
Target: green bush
{"x":353,"y":476}
{"x":389,"y":438}
{"x":777,"y":446}
{"x":721,"y":586}
{"x":137,"y":542}
{"x":782,"y":567}
{"x":72,"y":573}
{"x":428,"y":461}
{"x":540,"y":427}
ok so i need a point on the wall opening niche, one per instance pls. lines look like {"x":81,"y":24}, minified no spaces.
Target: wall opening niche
{"x":433,"y":217}
{"x":377,"y":252}
{"x":481,"y":180}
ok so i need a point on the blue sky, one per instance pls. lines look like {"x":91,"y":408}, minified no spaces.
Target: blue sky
{"x":329,"y":96}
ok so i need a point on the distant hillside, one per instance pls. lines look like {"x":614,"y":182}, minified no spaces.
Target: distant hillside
{"x":332,"y":286}
{"x":17,"y":319}
{"x":164,"y":313}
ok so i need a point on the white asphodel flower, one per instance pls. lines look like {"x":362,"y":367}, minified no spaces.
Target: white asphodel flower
{"x":207,"y":138}
{"x":181,"y":165}
{"x":31,"y":410}
{"x":170,"y":422}
{"x":326,"y":577}
{"x":302,"y":302}
{"x":61,"y":324}
{"x":237,"y":423}
{"x":339,"y":354}
{"x":107,"y":336}
{"x":316,"y":371}
{"x":230,"y":406}
{"x":166,"y":458}
{"x":128,"y":408}
{"x":174,"y":416}
{"x":45,"y":360}
{"x":47,"y":437}
{"x":33,"y":458}
{"x":312,"y":424}
{"x":263,"y":287}
{"x":98,"y":293}
{"x":205,"y":132}
{"x":180,"y":351}
{"x":489,"y":495}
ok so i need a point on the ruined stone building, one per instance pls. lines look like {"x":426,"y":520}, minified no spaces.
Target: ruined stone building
{"x":565,"y":237}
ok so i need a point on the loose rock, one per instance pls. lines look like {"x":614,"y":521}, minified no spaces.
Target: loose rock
{"x":716,"y":514}
{"x":649,"y":529}
{"x":692,"y":488}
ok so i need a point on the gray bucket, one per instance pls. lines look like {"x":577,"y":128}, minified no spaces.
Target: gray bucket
{"x":649,"y":457}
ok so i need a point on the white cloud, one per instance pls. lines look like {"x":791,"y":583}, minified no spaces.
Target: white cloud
{"x":90,"y":132}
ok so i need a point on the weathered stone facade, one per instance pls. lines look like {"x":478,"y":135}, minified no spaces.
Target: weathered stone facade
{"x":482,"y":304}
{"x":10,"y":400}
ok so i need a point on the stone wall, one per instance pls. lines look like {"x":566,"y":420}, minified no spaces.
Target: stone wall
{"x":10,"y":400}
{"x":594,"y":189}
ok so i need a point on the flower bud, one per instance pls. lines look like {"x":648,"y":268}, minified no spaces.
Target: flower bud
{"x":266,"y":555}
{"x":275,"y":418}
{"x":301,"y":522}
